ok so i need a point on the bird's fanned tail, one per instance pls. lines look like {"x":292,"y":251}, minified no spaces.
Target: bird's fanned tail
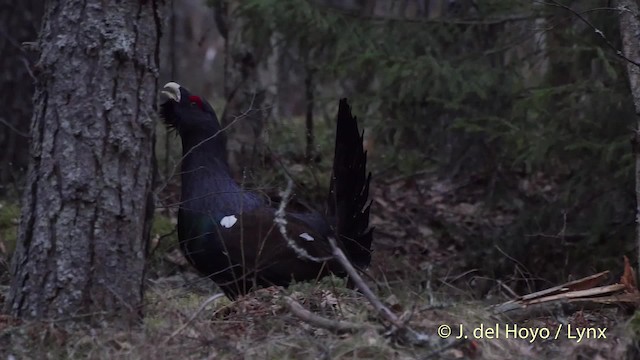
{"x":349,"y":189}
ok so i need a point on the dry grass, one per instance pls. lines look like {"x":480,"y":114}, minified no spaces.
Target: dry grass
{"x":419,"y":275}
{"x":261,"y":326}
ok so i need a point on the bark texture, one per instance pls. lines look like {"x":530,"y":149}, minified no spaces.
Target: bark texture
{"x":630,"y":33}
{"x":86,"y":207}
{"x":19,"y":23}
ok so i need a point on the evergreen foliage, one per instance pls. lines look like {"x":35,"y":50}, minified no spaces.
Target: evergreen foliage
{"x":473,"y":95}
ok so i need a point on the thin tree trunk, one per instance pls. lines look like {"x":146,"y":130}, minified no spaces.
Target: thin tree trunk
{"x":630,"y":32}
{"x":173,"y":73}
{"x":19,"y":23}
{"x":308,"y":87}
{"x":245,"y":94}
{"x":87,"y":203}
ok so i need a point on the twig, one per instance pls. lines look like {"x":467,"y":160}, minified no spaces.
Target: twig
{"x":339,"y":255}
{"x":599,"y":32}
{"x":195,"y":314}
{"x":281,"y":223}
{"x":508,"y":289}
{"x":13,"y":128}
{"x":309,"y":317}
{"x":423,"y":20}
{"x":399,"y":326}
{"x":115,"y":294}
{"x":162,"y":237}
{"x":28,"y":67}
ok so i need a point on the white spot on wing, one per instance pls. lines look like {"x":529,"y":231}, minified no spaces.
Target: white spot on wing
{"x":228,"y":221}
{"x":307,"y":237}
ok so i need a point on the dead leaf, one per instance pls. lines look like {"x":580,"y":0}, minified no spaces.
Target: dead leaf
{"x":176,"y":257}
{"x":394,"y":303}
{"x":328,"y":299}
{"x":628,"y":278}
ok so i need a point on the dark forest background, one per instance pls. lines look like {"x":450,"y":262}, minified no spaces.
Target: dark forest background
{"x":519,"y":109}
{"x":499,"y":132}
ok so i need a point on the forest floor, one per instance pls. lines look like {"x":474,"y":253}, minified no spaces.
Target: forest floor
{"x":414,"y":273}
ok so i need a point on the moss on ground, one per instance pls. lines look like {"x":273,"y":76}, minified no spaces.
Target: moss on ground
{"x":164,"y":236}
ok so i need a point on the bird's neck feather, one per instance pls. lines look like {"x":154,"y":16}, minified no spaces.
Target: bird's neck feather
{"x":207,"y":184}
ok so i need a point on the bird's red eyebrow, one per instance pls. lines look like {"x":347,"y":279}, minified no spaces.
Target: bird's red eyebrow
{"x":196,"y":99}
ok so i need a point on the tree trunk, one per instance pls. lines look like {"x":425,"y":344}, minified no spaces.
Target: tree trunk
{"x":19,"y":22}
{"x":246,"y":96}
{"x":630,"y":33}
{"x":87,"y":203}
{"x":308,"y":88}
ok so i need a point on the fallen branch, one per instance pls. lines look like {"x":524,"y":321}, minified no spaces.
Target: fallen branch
{"x":580,"y":284}
{"x":360,"y":284}
{"x":573,"y":296}
{"x":311,"y":318}
{"x":518,"y":312}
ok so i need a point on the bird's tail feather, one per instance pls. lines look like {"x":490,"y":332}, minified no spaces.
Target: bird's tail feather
{"x":349,"y":189}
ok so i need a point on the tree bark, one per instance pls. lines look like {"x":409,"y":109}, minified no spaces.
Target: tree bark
{"x":87,"y":203}
{"x":630,"y":33}
{"x":19,"y":23}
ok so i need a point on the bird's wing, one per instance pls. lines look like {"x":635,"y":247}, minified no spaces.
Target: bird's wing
{"x":256,"y":242}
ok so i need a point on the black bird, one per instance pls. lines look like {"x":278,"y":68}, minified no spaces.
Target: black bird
{"x":234,"y":237}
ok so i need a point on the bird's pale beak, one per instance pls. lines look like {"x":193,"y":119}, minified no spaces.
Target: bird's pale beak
{"x":171,"y":91}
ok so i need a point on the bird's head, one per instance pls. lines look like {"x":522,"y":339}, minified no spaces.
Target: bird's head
{"x":187,"y":113}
